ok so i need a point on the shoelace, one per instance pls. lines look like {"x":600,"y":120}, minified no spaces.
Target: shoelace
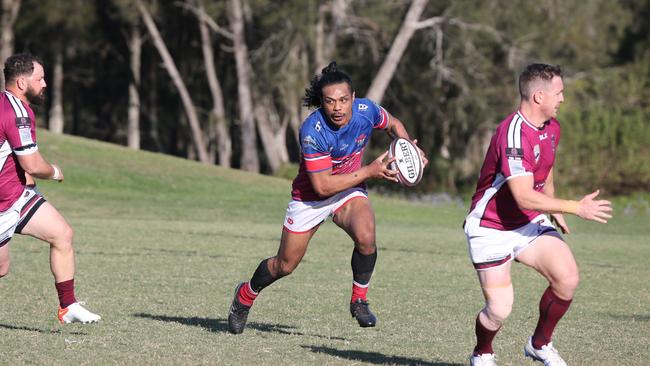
{"x":361,"y":308}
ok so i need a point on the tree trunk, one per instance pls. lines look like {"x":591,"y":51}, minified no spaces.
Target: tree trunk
{"x":8,"y":17}
{"x":326,"y":39}
{"x":56,"y":110}
{"x":272,"y":134}
{"x":170,"y":66}
{"x":218,"y":130}
{"x":387,"y":69}
{"x":135,"y":47}
{"x":249,"y":160}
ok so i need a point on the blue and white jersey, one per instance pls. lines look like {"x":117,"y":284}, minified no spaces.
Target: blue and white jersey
{"x":323,"y":147}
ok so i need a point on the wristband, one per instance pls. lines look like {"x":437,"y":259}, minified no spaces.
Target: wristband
{"x":570,"y":207}
{"x":57,"y":173}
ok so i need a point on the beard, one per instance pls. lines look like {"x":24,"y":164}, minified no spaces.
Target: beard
{"x":35,"y":98}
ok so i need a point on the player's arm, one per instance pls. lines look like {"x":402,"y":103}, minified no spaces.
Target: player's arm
{"x":587,"y":208}
{"x":549,"y":190}
{"x":35,"y":165}
{"x":395,"y":129}
{"x":326,"y":184}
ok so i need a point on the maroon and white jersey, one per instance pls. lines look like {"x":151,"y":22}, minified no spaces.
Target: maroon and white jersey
{"x":517,"y":148}
{"x":17,"y":137}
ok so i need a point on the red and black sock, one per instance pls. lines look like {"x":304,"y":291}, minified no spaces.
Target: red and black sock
{"x":484,"y":338}
{"x":246,"y":295}
{"x":551,"y":310}
{"x":65,"y":291}
{"x":362,"y":268}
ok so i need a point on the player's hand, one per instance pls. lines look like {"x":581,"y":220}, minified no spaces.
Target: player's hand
{"x":558,"y":219}
{"x":594,"y":210}
{"x":425,"y":161}
{"x":380,"y":168}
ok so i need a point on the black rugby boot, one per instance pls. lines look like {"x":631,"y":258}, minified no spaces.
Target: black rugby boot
{"x":238,"y":314}
{"x":360,"y":310}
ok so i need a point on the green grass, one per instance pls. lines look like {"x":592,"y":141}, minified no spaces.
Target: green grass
{"x":161,"y":243}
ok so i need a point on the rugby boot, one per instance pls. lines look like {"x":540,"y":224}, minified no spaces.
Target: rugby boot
{"x":486,"y":359}
{"x":76,"y":313}
{"x":548,"y":354}
{"x":238,"y":313}
{"x":360,"y":310}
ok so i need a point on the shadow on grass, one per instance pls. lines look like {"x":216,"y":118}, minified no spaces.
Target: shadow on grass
{"x":630,"y":317}
{"x":376,"y":357}
{"x":221,"y":325}
{"x":42,"y":331}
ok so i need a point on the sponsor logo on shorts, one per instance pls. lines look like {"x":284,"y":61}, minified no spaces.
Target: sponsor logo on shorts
{"x":289,"y":220}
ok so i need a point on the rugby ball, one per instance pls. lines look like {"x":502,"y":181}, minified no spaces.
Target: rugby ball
{"x":408,"y":162}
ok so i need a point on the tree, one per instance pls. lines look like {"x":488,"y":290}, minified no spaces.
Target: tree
{"x":9,"y":15}
{"x":172,"y":70}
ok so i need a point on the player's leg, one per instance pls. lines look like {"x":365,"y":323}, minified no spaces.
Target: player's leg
{"x":292,"y":248}
{"x":4,"y":259}
{"x":496,"y":285}
{"x":44,"y":222}
{"x":357,"y":218}
{"x":552,"y":258}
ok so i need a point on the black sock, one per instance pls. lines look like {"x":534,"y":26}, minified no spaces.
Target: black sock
{"x":262,"y":277}
{"x":363,"y":266}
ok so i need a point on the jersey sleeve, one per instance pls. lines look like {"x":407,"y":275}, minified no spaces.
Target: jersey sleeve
{"x":314,"y":148}
{"x":21,"y":131}
{"x":517,"y":157}
{"x":376,"y":113}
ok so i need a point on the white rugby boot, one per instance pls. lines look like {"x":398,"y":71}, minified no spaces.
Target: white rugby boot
{"x":75,"y":313}
{"x":548,"y":354}
{"x":486,"y":359}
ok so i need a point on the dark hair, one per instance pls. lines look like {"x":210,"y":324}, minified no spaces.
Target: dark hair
{"x":534,"y":72}
{"x":20,"y":64}
{"x":328,"y":76}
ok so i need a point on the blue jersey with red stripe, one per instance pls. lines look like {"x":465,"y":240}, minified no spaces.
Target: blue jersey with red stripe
{"x":323,"y":147}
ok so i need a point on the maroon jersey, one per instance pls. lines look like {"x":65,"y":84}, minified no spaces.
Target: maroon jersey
{"x":517,"y":148}
{"x":17,"y":137}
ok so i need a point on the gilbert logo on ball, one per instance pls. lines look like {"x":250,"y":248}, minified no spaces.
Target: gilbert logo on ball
{"x":408,"y":162}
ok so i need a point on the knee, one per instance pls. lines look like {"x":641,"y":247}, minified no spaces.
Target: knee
{"x":497,"y":312}
{"x":365,"y":243}
{"x":566,"y":285}
{"x":64,"y":238}
{"x":284,"y":268}
{"x":4,"y":269}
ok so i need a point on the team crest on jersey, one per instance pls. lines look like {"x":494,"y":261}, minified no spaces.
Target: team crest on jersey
{"x":23,"y":122}
{"x":361,"y":139}
{"x":363,"y":107}
{"x":536,"y":152}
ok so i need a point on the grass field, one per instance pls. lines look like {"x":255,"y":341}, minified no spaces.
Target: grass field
{"x":161,"y":243}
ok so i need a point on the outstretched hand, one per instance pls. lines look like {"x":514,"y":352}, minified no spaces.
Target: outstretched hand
{"x":380,"y":168}
{"x":595,"y":210}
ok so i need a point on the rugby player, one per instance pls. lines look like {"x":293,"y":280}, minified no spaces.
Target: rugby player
{"x":330,"y":183}
{"x":507,"y":217}
{"x":22,"y":208}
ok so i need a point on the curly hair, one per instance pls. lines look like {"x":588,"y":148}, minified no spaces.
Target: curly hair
{"x":20,"y":64}
{"x":536,"y":72}
{"x":328,"y":76}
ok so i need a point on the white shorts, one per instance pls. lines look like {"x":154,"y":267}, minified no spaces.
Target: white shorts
{"x":303,"y":216}
{"x":16,"y":217}
{"x":489,"y":248}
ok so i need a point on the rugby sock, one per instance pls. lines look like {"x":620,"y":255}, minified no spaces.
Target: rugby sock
{"x":362,"y":268}
{"x":551,"y":310}
{"x":246,"y":295}
{"x":262,"y":277}
{"x":484,"y":338}
{"x":65,"y":290}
